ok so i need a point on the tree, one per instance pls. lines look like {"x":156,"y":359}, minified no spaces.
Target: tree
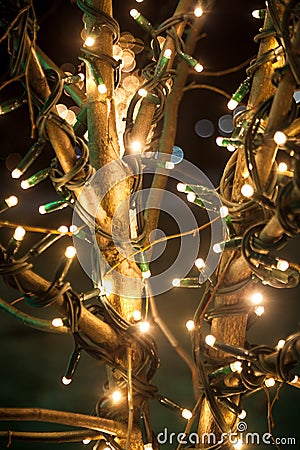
{"x":113,"y":218}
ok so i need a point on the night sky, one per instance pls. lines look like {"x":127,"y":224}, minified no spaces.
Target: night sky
{"x":32,"y":363}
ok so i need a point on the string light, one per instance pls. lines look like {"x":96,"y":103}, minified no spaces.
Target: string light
{"x":192,"y":62}
{"x":257,"y":298}
{"x":239,"y":94}
{"x":57,"y":322}
{"x":137,"y":315}
{"x":198,"y":11}
{"x":247,"y":190}
{"x":28,"y":159}
{"x":186,"y":414}
{"x":282,"y":167}
{"x":116,"y":396}
{"x":280,"y":344}
{"x":282,"y":265}
{"x":136,"y":146}
{"x":190,"y":325}
{"x":280,"y":138}
{"x":144,"y":327}
{"x":86,"y":441}
{"x":191,"y":282}
{"x":191,"y":197}
{"x":163,"y":63}
{"x":259,"y":13}
{"x":210,"y":340}
{"x":224,"y":212}
{"x":35,"y":179}
{"x":269,"y":382}
{"x":89,"y":41}
{"x":8,"y":202}
{"x":236,"y":366}
{"x":259,"y":310}
{"x":142,"y":21}
{"x":65,"y":264}
{"x":199,"y":263}
{"x":53,"y":206}
{"x":66,"y":381}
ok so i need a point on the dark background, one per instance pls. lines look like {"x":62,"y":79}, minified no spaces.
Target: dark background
{"x":31,"y":362}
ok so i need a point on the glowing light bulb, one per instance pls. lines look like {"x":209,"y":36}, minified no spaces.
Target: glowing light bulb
{"x":186,"y":414}
{"x":242,"y":414}
{"x":25,"y":184}
{"x":238,"y":445}
{"x":282,"y":265}
{"x":257,"y":298}
{"x":270,"y":382}
{"x":247,"y":190}
{"x":181,"y":187}
{"x":198,"y":67}
{"x":81,"y":76}
{"x":90,"y":41}
{"x":258,"y":13}
{"x":168,"y":53}
{"x":16,"y":173}
{"x":176,"y":282}
{"x":142,"y":92}
{"x":137,"y":315}
{"x":66,"y":381}
{"x":86,"y":441}
{"x":144,"y":327}
{"x":11,"y":201}
{"x":219,"y":141}
{"x":116,"y":396}
{"x":191,"y":197}
{"x":63,"y":229}
{"x":198,"y":11}
{"x":280,"y":138}
{"x":190,"y":325}
{"x":19,"y":234}
{"x":236,"y":366}
{"x":199,"y":263}
{"x":217,"y":248}
{"x":42,"y":209}
{"x":136,"y":146}
{"x":280,"y":344}
{"x":223,"y":211}
{"x":259,"y":310}
{"x":210,"y":340}
{"x":282,"y":167}
{"x":295,"y":379}
{"x":70,"y":252}
{"x":232,"y":104}
{"x":102,"y":89}
{"x":57,"y":322}
{"x":134,"y":13}
{"x":146,"y":274}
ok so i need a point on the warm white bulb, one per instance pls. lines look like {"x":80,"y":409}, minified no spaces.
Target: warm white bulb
{"x":280,"y":344}
{"x":295,"y":379}
{"x":190,"y":325}
{"x":70,"y":252}
{"x":176,"y":282}
{"x":238,"y":445}
{"x":116,"y":396}
{"x":232,"y":104}
{"x":102,"y":89}
{"x":223,"y":212}
{"x":136,"y":146}
{"x":210,"y":340}
{"x":63,"y":229}
{"x":282,"y":265}
{"x":259,"y":310}
{"x":257,"y":298}
{"x":247,"y":190}
{"x":16,"y":173}
{"x":81,"y":76}
{"x":181,"y":187}
{"x":144,"y":327}
{"x":242,"y":414}
{"x":25,"y":184}
{"x":256,"y":14}
{"x":73,"y":229}
{"x":42,"y":209}
{"x":86,"y":441}
{"x":198,"y":67}
{"x":66,"y":381}
{"x":280,"y":138}
{"x":11,"y":201}
{"x":191,"y":197}
{"x":142,"y":92}
{"x":231,"y":148}
{"x":134,"y":13}
{"x":282,"y":167}
{"x":236,"y":366}
{"x":137,"y":315}
{"x":270,"y":382}
{"x":198,"y":11}
{"x":217,"y":248}
{"x":219,"y":141}
{"x":90,"y":41}
{"x":57,"y":322}
{"x":199,"y":263}
{"x":19,"y":234}
{"x":168,"y":53}
{"x":146,"y":274}
{"x":186,"y":414}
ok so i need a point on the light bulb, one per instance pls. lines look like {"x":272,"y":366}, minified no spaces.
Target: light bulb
{"x":136,"y":146}
{"x":223,"y":211}
{"x":186,"y":414}
{"x":232,"y":104}
{"x":198,"y":67}
{"x":137,"y":315}
{"x":42,"y":209}
{"x":295,"y":379}
{"x":19,"y":234}
{"x":219,"y":141}
{"x":11,"y":201}
{"x":236,"y":366}
{"x":57,"y":322}
{"x":81,"y":76}
{"x":242,"y":414}
{"x":191,"y":197}
{"x":134,"y":13}
{"x":198,"y":11}
{"x":259,"y":310}
{"x":257,"y":14}
{"x":146,"y":274}
{"x":16,"y":173}
{"x":199,"y":263}
{"x":217,"y":248}
{"x":168,"y":53}
{"x":90,"y":41}
{"x":86,"y":441}
{"x":63,"y":229}
{"x":181,"y":187}
{"x":102,"y":89}
{"x":190,"y":325}
{"x":70,"y":252}
{"x":247,"y":190}
{"x":270,"y":382}
{"x":257,"y":298}
{"x":176,"y":282}
{"x":66,"y":381}
{"x":25,"y":184}
{"x":280,"y":138}
{"x":282,"y":167}
{"x":238,"y":444}
{"x":280,"y":344}
{"x":116,"y":396}
{"x":282,"y":265}
{"x":142,"y":92}
{"x":144,"y":327}
{"x":73,"y":229}
{"x":210,"y":340}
